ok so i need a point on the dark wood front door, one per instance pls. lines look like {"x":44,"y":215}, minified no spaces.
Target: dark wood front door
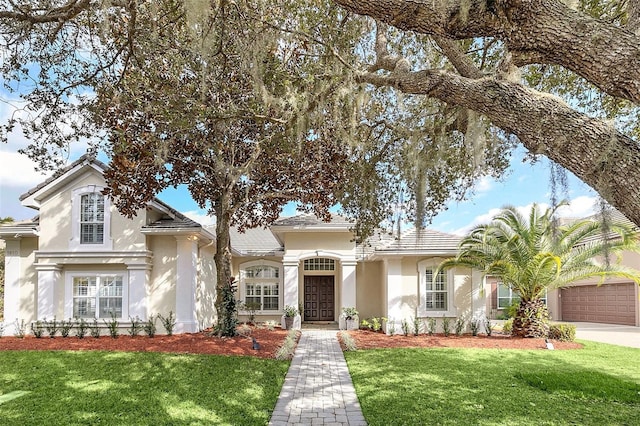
{"x":319,"y":298}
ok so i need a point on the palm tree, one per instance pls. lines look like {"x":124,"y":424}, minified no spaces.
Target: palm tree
{"x":532,"y":255}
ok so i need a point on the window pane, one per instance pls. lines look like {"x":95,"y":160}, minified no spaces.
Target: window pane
{"x":319,"y":264}
{"x":109,"y":305}
{"x":92,"y":218}
{"x":261,"y":272}
{"x":253,"y":299}
{"x":270,"y":303}
{"x":503,"y":291}
{"x":84,"y":307}
{"x":436,"y":292}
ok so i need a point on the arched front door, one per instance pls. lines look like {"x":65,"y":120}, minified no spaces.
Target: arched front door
{"x":319,"y":298}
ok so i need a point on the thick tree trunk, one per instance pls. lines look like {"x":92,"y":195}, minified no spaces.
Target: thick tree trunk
{"x":226,"y":317}
{"x":531,"y":320}
{"x":534,"y":31}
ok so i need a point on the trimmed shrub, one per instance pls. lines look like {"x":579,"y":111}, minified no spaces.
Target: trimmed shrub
{"x":507,"y":327}
{"x":562,"y":332}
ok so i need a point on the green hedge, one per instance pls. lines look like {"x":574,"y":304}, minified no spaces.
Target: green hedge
{"x":562,"y":332}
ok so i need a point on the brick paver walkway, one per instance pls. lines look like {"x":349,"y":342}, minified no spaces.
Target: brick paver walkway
{"x":318,"y":389}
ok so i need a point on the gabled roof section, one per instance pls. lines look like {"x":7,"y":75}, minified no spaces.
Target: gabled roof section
{"x":419,"y":242}
{"x":255,"y":242}
{"x":32,"y":197}
{"x":310,"y":222}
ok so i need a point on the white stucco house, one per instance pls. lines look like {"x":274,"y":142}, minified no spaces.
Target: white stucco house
{"x":80,"y":258}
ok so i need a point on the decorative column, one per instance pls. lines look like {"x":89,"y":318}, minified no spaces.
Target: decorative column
{"x":348,"y":294}
{"x":47,"y":292}
{"x":290,"y":267}
{"x":394,"y":289}
{"x":138,"y":279}
{"x":186,"y":284}
{"x":11,"y":284}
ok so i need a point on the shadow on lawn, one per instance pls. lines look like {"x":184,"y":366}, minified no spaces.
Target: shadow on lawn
{"x":72,"y":388}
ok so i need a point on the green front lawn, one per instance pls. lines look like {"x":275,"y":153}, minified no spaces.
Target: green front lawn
{"x":597,"y":385}
{"x":127,"y":388}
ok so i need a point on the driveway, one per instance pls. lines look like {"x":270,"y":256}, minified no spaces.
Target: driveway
{"x":622,"y":335}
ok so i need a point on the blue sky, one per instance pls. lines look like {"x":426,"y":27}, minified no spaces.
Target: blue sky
{"x":523,"y":185}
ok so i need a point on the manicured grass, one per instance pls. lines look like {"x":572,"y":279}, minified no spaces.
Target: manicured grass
{"x":126,"y":388}
{"x":597,"y":385}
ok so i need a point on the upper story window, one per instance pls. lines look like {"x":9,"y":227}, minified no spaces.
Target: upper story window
{"x":319,"y":264}
{"x":92,"y":218}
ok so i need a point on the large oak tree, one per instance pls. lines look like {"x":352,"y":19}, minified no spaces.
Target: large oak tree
{"x":576,"y":102}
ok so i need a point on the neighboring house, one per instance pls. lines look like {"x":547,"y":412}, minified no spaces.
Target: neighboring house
{"x":81,"y":258}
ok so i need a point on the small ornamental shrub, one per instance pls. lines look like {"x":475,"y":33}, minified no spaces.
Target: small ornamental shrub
{"x":136,"y":326}
{"x":376,"y":324}
{"x":348,"y":342}
{"x":474,"y":325}
{"x":431,"y":326}
{"x":81,"y":328}
{"x":507,"y":326}
{"x":459,"y":326}
{"x":562,"y":332}
{"x":94,"y":329}
{"x":65,"y":327}
{"x":391,"y":327}
{"x":37,"y":328}
{"x":365,"y":324}
{"x":288,"y":346}
{"x":488,"y":326}
{"x":112,"y":326}
{"x":51,"y":327}
{"x":446,"y":326}
{"x":168,"y":322}
{"x":150,"y":326}
{"x":405,"y":327}
{"x":20,"y":328}
{"x":417,"y":325}
{"x":270,"y":325}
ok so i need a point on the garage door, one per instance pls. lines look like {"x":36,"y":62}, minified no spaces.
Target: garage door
{"x":609,"y":303}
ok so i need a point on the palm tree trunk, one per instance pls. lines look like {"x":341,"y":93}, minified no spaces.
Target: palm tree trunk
{"x":532,"y":319}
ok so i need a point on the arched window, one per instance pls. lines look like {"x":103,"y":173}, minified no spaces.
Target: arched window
{"x":261,"y":286}
{"x":92,"y":218}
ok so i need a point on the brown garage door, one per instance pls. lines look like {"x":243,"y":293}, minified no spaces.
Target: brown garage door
{"x":609,"y":303}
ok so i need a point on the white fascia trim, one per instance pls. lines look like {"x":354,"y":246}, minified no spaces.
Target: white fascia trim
{"x":92,"y":254}
{"x":201,"y":232}
{"x":16,"y":232}
{"x":33,"y":200}
{"x":380,"y":254}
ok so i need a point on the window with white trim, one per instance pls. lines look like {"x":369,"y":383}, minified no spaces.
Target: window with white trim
{"x":436,"y":296}
{"x":506,"y":296}
{"x":92,"y":218}
{"x":98,"y":296}
{"x":436,"y":291}
{"x":261,"y":286}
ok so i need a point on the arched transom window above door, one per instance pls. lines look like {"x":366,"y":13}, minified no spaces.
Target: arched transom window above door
{"x":319,"y":264}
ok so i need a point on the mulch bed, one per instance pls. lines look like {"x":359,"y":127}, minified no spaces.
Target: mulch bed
{"x":193,"y":343}
{"x":371,"y":340}
{"x":270,"y":341}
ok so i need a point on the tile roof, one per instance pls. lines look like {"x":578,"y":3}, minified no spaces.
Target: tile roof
{"x":88,"y":158}
{"x":312,"y":220}
{"x":255,"y":241}
{"x":420,"y":241}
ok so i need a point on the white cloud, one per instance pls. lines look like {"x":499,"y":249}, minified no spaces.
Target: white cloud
{"x":18,"y":171}
{"x":578,"y":207}
{"x":201,"y":217}
{"x":484,"y":184}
